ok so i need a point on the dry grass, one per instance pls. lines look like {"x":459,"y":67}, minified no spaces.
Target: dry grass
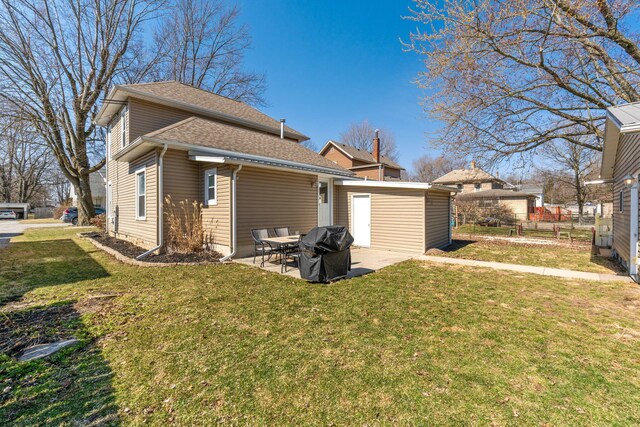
{"x":187,"y":232}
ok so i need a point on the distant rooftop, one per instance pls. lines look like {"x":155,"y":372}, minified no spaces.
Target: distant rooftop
{"x":465,"y":176}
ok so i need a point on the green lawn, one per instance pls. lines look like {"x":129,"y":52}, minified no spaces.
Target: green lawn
{"x":571,"y":257}
{"x":414,"y":344}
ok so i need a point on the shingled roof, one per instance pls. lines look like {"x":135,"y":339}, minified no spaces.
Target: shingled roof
{"x":205,"y":133}
{"x":464,"y":176}
{"x":362,"y":155}
{"x":184,"y":96}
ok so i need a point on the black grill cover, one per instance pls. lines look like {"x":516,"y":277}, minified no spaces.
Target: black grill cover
{"x":325,"y":254}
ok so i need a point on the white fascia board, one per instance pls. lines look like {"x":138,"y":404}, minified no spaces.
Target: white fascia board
{"x":395,"y":184}
{"x":206,"y":159}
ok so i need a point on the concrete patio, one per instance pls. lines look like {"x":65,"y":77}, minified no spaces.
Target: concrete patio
{"x":363,"y":261}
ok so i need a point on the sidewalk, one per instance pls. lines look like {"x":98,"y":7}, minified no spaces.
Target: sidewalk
{"x":543,"y":271}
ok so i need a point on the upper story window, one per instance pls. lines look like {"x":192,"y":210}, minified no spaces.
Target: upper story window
{"x":141,"y":194}
{"x":211,"y":187}
{"x":460,"y":187}
{"x":123,"y":126}
{"x":477,"y":186}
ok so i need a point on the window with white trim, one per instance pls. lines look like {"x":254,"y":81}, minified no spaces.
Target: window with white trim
{"x":621,"y":200}
{"x":123,"y":127}
{"x":141,"y":194}
{"x":477,"y":187}
{"x":211,"y":187}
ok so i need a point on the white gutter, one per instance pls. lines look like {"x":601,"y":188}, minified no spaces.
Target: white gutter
{"x":234,"y":229}
{"x":160,"y":201}
{"x":633,"y":230}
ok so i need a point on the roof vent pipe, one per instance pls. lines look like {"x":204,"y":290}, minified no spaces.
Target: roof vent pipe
{"x":282,"y":128}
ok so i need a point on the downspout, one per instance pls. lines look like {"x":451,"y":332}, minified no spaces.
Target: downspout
{"x":160,"y":201}
{"x":234,"y":228}
{"x":633,"y":231}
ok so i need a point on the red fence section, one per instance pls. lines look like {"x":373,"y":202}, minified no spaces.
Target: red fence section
{"x":556,"y":213}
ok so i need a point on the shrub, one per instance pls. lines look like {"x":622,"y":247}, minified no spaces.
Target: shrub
{"x":99,"y":221}
{"x":186,"y":231}
{"x":59,"y":211}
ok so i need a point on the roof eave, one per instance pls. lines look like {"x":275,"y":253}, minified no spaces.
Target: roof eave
{"x":137,"y":148}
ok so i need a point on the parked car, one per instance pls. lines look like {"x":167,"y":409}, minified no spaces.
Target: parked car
{"x":8,"y":214}
{"x":489,"y":222}
{"x":71,"y":215}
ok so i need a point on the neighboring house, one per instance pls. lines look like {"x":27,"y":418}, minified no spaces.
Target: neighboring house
{"x":249,"y":171}
{"x":521,"y":204}
{"x":621,"y":165}
{"x":535,"y":189}
{"x":472,"y":180}
{"x":97,"y":182}
{"x":362,"y":163}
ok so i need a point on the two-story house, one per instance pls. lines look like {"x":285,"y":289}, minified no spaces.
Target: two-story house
{"x":363,"y":163}
{"x":248,"y":171}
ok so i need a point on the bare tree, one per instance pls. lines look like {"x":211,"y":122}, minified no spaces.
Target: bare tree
{"x":57,"y":60}
{"x":574,"y":164}
{"x":202,"y":44}
{"x":508,"y":76}
{"x":24,"y":161}
{"x":360,"y":135}
{"x":426,"y":168}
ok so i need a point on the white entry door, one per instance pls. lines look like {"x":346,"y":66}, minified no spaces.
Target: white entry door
{"x":361,"y":219}
{"x":324,"y":203}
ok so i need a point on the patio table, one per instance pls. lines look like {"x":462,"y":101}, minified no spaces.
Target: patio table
{"x":277,"y":242}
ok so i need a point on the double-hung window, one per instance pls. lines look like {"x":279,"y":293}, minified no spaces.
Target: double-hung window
{"x":141,"y":194}
{"x":123,"y":127}
{"x":211,"y":187}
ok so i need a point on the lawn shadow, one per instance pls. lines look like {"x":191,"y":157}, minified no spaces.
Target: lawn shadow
{"x":29,"y":265}
{"x":457,"y":244}
{"x":72,"y":386}
{"x":610,"y":263}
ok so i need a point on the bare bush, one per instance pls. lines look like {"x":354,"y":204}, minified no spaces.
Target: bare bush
{"x":100,"y":222}
{"x":186,"y":232}
{"x":59,"y":211}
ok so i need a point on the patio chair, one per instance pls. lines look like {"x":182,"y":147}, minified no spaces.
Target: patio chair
{"x":259,"y":245}
{"x":282,"y":231}
{"x":291,"y":251}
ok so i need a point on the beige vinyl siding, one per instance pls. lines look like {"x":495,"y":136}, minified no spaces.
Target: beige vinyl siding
{"x":123,"y":181}
{"x":437,"y":220}
{"x":148,"y":117}
{"x":269,"y":198}
{"x":519,"y":207}
{"x":627,"y":162}
{"x":184,"y":182}
{"x":397,"y":216}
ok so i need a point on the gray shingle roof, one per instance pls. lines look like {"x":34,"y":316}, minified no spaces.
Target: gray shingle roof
{"x":180,"y":92}
{"x":222,"y":136}
{"x":365,"y":156}
{"x":464,"y":176}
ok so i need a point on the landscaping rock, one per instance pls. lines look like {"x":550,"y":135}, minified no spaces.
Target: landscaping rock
{"x":43,"y":350}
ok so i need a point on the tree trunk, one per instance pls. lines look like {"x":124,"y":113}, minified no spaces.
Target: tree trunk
{"x":86,"y":209}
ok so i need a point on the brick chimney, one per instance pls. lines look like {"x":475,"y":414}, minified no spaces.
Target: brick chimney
{"x":473,"y":164}
{"x":376,"y":147}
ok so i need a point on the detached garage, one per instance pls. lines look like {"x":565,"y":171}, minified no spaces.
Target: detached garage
{"x":398,"y":216}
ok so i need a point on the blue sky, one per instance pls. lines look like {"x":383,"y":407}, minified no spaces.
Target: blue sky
{"x":331,"y":63}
